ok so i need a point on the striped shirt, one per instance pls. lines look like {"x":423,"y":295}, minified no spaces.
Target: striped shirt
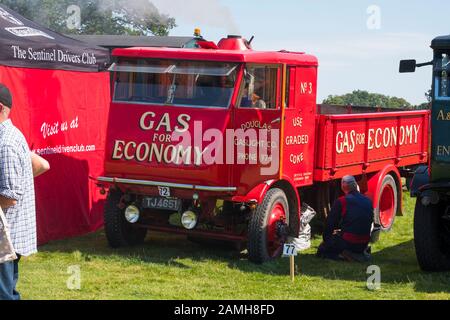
{"x":17,"y":183}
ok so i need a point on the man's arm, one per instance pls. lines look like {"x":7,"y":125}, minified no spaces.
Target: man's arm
{"x":261,"y":104}
{"x":6,"y":203}
{"x":40,"y":165}
{"x":333,"y":220}
{"x":10,"y":173}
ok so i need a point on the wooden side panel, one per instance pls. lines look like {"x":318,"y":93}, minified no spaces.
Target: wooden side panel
{"x":362,"y":143}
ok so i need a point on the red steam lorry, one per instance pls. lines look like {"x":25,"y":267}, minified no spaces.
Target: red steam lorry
{"x":221,"y":142}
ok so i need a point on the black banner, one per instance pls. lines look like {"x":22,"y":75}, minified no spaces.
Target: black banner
{"x":26,"y":44}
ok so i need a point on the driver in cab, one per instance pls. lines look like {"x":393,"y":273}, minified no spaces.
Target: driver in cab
{"x":257,"y":101}
{"x":254,"y":101}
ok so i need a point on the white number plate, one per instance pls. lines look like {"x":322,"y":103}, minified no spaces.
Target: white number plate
{"x":164,"y":191}
{"x":289,"y":250}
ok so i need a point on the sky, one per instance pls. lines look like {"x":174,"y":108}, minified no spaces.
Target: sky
{"x":358,"y":43}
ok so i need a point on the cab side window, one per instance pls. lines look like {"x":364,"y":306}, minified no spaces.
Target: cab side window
{"x":443,"y":76}
{"x":260,"y":87}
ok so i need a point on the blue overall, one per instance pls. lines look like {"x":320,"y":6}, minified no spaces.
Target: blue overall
{"x":353,"y":216}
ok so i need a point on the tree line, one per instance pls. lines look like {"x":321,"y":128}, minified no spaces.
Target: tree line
{"x":365,"y":98}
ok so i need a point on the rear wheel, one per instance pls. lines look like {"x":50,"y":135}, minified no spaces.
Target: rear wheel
{"x":119,"y":232}
{"x":387,"y":205}
{"x":269,"y":227}
{"x":431,"y":237}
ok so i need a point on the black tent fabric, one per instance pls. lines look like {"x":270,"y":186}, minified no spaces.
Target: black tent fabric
{"x":26,"y":44}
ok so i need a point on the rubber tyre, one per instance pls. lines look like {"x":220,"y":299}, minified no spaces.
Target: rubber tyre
{"x":119,"y":232}
{"x":388,"y":182}
{"x":257,"y":235}
{"x":427,"y":240}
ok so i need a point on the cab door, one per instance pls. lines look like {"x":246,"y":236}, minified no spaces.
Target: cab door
{"x":440,"y":157}
{"x":298,"y":138}
{"x":257,"y":127}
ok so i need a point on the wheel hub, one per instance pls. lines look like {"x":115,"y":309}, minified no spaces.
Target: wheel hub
{"x":277,"y":230}
{"x":282,"y":230}
{"x":387,"y":205}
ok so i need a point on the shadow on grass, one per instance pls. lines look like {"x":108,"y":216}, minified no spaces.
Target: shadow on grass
{"x":398,"y":266}
{"x":397,"y":263}
{"x":158,"y":249}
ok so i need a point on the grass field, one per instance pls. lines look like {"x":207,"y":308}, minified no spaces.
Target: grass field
{"x":170,"y":267}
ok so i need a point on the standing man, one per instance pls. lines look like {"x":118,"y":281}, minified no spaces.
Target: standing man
{"x":17,"y":167}
{"x":348,"y":227}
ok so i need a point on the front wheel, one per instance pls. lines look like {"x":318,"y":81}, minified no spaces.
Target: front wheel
{"x":119,"y":232}
{"x":269,"y":227}
{"x":431,"y":237}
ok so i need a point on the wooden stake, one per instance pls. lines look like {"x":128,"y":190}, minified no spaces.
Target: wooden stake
{"x":292,"y":258}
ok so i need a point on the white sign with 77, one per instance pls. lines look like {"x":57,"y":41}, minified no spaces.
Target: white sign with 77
{"x":289,"y":250}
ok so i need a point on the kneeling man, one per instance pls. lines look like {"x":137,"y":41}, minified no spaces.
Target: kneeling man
{"x":349,"y":224}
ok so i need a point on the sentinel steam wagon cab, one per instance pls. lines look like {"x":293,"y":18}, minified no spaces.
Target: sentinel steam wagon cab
{"x":223,"y":142}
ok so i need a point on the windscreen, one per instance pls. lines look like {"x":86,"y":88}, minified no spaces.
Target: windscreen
{"x":442,"y":75}
{"x":175,"y":82}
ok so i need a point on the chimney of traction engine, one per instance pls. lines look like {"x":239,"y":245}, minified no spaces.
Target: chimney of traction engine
{"x":234,"y":42}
